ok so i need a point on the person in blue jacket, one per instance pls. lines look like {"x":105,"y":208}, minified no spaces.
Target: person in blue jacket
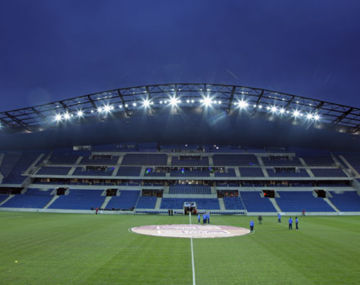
{"x":297,"y":223}
{"x":252,"y":224}
{"x":290,"y":223}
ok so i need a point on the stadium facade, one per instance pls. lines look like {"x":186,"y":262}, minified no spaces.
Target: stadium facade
{"x":230,"y":149}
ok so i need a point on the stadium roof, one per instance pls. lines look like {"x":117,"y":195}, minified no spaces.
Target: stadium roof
{"x":127,"y":101}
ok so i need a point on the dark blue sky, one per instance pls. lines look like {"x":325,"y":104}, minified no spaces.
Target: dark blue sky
{"x":51,"y":50}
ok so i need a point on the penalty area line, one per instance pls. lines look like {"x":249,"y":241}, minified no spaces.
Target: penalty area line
{"x":192,"y":254}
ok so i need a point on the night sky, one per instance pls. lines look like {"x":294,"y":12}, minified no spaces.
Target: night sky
{"x":52,"y":50}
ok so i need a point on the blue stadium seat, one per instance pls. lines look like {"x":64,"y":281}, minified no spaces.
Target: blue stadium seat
{"x":349,"y":201}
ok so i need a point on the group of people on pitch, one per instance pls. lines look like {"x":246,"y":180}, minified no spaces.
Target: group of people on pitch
{"x":252,"y":223}
{"x":206,"y":218}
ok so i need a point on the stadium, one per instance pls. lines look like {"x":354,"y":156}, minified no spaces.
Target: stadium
{"x":80,"y":176}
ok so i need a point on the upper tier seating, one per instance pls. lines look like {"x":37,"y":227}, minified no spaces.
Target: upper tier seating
{"x":328,"y":172}
{"x":81,"y":171}
{"x":295,"y":201}
{"x":129,"y":171}
{"x":33,"y":198}
{"x":8,"y":162}
{"x":189,"y":161}
{"x":284,"y":173}
{"x":145,"y":159}
{"x":126,"y":200}
{"x":55,"y":170}
{"x":63,"y":157}
{"x":251,"y":172}
{"x":348,"y":201}
{"x":281,"y":162}
{"x":178,"y":203}
{"x":229,"y":172}
{"x":79,"y":200}
{"x":22,"y":164}
{"x":146,"y":202}
{"x":354,"y":160}
{"x":234,"y":160}
{"x":189,"y":189}
{"x":318,"y":160}
{"x":253,"y":202}
{"x":190,"y":173}
{"x":233,"y":203}
{"x":99,"y":161}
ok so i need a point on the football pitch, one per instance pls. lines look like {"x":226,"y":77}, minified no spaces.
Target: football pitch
{"x":40,"y":248}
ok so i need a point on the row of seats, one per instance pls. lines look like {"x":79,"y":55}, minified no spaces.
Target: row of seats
{"x":288,"y":201}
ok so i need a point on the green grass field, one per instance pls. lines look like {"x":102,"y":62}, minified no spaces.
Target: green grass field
{"x":89,"y":249}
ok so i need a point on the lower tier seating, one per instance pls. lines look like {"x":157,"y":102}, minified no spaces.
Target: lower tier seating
{"x":295,"y":201}
{"x":79,"y":200}
{"x":348,"y":201}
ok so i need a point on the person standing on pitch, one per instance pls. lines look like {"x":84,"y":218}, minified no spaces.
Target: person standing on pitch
{"x":260,"y":219}
{"x":199,"y":218}
{"x":290,"y":223}
{"x":296,"y":223}
{"x":208,"y":218}
{"x":252,"y":224}
{"x":279,"y":218}
{"x":204,"y":218}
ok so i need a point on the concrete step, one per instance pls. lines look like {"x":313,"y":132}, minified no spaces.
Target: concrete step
{"x":327,"y":200}
{"x":275,"y":204}
{"x":106,"y":202}
{"x":51,"y":201}
{"x":158,"y":203}
{"x":7,"y":199}
{"x":221,"y":204}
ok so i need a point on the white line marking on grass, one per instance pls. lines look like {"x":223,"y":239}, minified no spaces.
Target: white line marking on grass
{"x":192,"y":255}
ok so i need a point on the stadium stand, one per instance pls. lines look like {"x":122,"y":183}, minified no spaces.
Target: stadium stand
{"x":146,"y":202}
{"x":189,"y":161}
{"x":286,"y":172}
{"x":63,"y":157}
{"x":233,"y":203}
{"x":234,"y":160}
{"x":82,"y":171}
{"x":145,"y":159}
{"x":33,"y":198}
{"x":79,"y":200}
{"x":22,"y":164}
{"x":253,"y":202}
{"x":328,"y":172}
{"x":348,"y":201}
{"x":126,"y":200}
{"x":296,"y":201}
{"x":189,"y":189}
{"x":178,"y":203}
{"x":128,"y":171}
{"x":251,"y":172}
{"x":229,"y":172}
{"x":55,"y":170}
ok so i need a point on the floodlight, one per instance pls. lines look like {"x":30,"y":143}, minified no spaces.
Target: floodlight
{"x":107,"y":108}
{"x":296,"y":113}
{"x":67,"y":116}
{"x":282,"y":111}
{"x":309,"y":116}
{"x":207,"y":101}
{"x":316,"y":117}
{"x":273,"y":109}
{"x":58,"y":117}
{"x":99,"y":109}
{"x":80,"y":113}
{"x":260,"y":106}
{"x":242,"y":104}
{"x":173,"y":101}
{"x":146,"y":103}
